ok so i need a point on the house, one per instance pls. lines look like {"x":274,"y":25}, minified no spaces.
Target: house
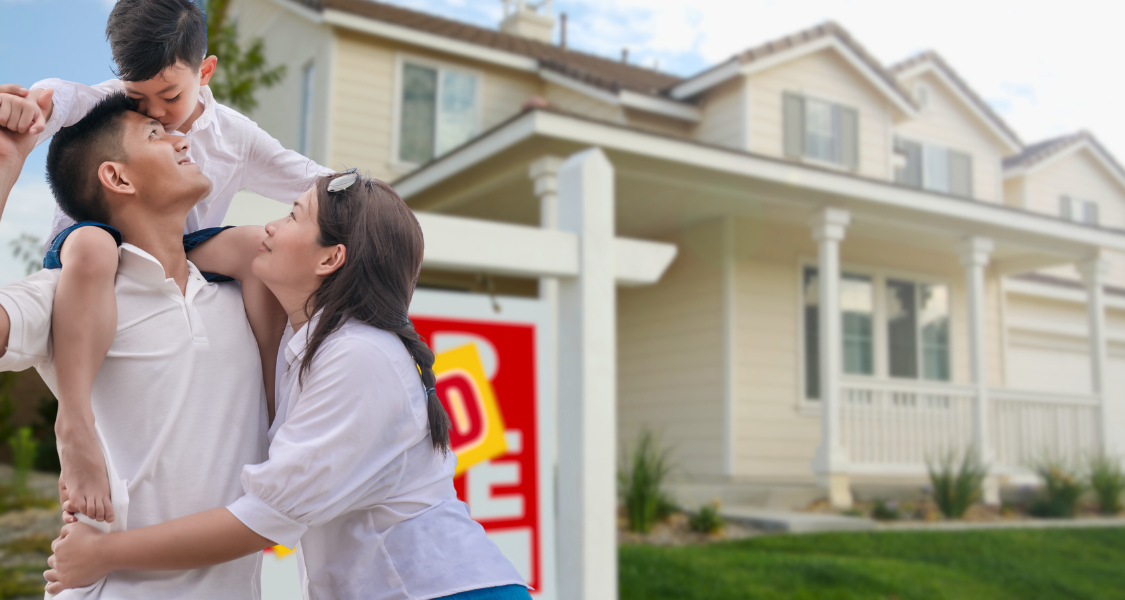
{"x":872,"y":268}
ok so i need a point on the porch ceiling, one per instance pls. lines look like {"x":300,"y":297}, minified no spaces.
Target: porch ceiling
{"x":665,"y":184}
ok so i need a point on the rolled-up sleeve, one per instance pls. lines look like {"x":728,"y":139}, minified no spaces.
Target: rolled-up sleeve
{"x":72,"y":101}
{"x":352,"y":419}
{"x":28,"y":303}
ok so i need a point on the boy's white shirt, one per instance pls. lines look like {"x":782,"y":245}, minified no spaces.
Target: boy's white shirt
{"x":230,"y":149}
{"x":179,"y":406}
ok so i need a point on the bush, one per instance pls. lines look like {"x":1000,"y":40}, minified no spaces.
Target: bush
{"x":641,"y":483}
{"x":707,"y":519}
{"x":956,"y":484}
{"x":1062,"y":488}
{"x":884,"y":510}
{"x":23,"y":458}
{"x":1107,"y":480}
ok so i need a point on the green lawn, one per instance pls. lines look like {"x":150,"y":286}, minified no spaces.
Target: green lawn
{"x":1017,"y":564}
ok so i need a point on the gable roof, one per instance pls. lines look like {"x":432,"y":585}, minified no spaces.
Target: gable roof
{"x":794,"y":46}
{"x":930,"y":60}
{"x":593,"y":70}
{"x":1042,"y":153}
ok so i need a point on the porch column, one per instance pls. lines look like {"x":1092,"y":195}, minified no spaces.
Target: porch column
{"x":1094,"y":272}
{"x":587,"y":376}
{"x":975,"y":255}
{"x":544,"y":173}
{"x":830,"y":464}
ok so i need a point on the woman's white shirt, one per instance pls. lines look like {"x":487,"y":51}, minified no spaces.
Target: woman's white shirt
{"x":352,"y":475}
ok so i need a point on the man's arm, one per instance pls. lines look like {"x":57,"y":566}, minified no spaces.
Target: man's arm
{"x":83,"y":555}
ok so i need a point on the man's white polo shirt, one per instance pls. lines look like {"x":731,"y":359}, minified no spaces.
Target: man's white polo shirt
{"x":179,"y":402}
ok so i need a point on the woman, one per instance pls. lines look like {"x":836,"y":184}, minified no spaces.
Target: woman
{"x":359,"y":469}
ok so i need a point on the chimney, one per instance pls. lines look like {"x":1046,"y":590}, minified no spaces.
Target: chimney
{"x":624,"y":55}
{"x":529,"y":20}
{"x":562,"y":31}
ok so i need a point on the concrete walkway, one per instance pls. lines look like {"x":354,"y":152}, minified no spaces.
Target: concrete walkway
{"x":1080,"y":523}
{"x":794,"y":522}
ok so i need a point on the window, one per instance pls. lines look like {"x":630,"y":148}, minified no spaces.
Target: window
{"x":917,"y":328}
{"x":857,"y":311}
{"x":934,"y":168}
{"x":439,"y":111}
{"x":1079,"y":211}
{"x":304,"y":126}
{"x":820,"y":131}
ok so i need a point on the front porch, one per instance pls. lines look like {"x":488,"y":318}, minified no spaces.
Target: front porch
{"x":720,"y":353}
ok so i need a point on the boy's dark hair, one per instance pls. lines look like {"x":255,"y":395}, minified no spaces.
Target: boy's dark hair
{"x":148,"y":36}
{"x":77,"y":151}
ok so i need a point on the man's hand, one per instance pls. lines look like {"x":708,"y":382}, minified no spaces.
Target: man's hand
{"x":25,"y":111}
{"x":78,"y":559}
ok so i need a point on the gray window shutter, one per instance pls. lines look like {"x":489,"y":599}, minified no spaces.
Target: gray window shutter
{"x":912,"y":171}
{"x":960,"y":174}
{"x":1066,"y":208}
{"x":1092,"y":212}
{"x":849,"y":137}
{"x":793,"y":117}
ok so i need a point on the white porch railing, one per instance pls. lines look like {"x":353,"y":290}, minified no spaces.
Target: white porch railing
{"x":898,"y":425}
{"x":1030,"y":426}
{"x":891,"y":426}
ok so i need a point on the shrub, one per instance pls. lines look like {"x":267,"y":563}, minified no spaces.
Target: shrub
{"x":1062,"y":488}
{"x":884,"y":510}
{"x":641,"y":483}
{"x":23,"y":458}
{"x":956,"y":484}
{"x":707,"y":519}
{"x":1107,"y":480}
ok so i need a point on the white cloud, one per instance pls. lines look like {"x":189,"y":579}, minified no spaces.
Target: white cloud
{"x":1047,"y":68}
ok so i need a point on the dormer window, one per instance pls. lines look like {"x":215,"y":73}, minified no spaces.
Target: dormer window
{"x":1079,"y":211}
{"x":934,"y":168}
{"x":821,"y":132}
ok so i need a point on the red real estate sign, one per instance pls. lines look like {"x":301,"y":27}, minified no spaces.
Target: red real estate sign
{"x":503,"y":492}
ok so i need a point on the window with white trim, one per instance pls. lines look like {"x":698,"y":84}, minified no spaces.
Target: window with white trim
{"x":821,"y":131}
{"x":916,"y":318}
{"x":1079,"y":211}
{"x":438,"y":111}
{"x":304,"y":131}
{"x":934,"y":168}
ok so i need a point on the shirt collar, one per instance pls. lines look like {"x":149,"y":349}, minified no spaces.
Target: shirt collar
{"x":295,"y":349}
{"x":207,"y":119}
{"x":143,"y":268}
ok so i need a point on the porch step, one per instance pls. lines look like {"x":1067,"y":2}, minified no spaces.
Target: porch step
{"x":794,"y":522}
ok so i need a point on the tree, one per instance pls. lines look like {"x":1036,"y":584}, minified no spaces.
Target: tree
{"x":241,"y":70}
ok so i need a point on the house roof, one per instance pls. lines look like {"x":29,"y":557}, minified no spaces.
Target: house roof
{"x":1035,"y":155}
{"x":593,"y":70}
{"x":930,"y":58}
{"x":793,"y":42}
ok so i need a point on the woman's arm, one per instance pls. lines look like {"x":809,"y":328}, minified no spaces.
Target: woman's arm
{"x":83,"y":555}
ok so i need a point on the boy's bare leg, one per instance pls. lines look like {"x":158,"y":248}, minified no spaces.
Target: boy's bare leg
{"x":83,"y":326}
{"x":230,"y":253}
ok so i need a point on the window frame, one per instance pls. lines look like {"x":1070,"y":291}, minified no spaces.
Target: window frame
{"x":401,"y":60}
{"x":307,"y":110}
{"x":879,"y":277}
{"x":949,"y":151}
{"x":837,"y":104}
{"x":1079,"y":210}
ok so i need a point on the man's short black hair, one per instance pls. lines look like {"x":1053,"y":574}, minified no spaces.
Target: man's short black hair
{"x":77,"y":151}
{"x":148,"y":36}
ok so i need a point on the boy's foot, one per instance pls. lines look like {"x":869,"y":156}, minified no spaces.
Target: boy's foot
{"x":85,"y":478}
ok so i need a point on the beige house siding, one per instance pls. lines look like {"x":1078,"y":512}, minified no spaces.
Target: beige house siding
{"x":658,"y":123}
{"x":582,"y":104}
{"x":670,"y":358}
{"x":946,"y":121}
{"x":1081,"y":176}
{"x":827,"y":76}
{"x":724,"y":112}
{"x":362,"y":121}
{"x":1014,"y":192}
{"x":505,"y":92}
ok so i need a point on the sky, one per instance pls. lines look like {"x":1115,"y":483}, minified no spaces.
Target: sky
{"x":1045,"y":67}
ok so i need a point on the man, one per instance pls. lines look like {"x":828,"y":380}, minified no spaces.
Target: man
{"x":179,"y":401}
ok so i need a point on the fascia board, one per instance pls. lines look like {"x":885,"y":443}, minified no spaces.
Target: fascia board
{"x":1071,"y":151}
{"x":429,"y":40}
{"x":579,"y":87}
{"x":706,"y":80}
{"x":1010,"y":144}
{"x":660,"y":106}
{"x":1039,"y":289}
{"x":664,"y":148}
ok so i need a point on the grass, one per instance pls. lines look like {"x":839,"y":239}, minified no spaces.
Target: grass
{"x":25,"y":577}
{"x":982,"y":565}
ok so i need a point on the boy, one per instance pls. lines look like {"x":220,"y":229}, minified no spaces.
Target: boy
{"x":159,"y":48}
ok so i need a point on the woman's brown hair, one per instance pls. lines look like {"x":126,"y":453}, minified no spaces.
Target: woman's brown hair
{"x":374,"y":286}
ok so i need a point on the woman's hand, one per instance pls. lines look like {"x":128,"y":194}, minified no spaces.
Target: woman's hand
{"x":78,"y":559}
